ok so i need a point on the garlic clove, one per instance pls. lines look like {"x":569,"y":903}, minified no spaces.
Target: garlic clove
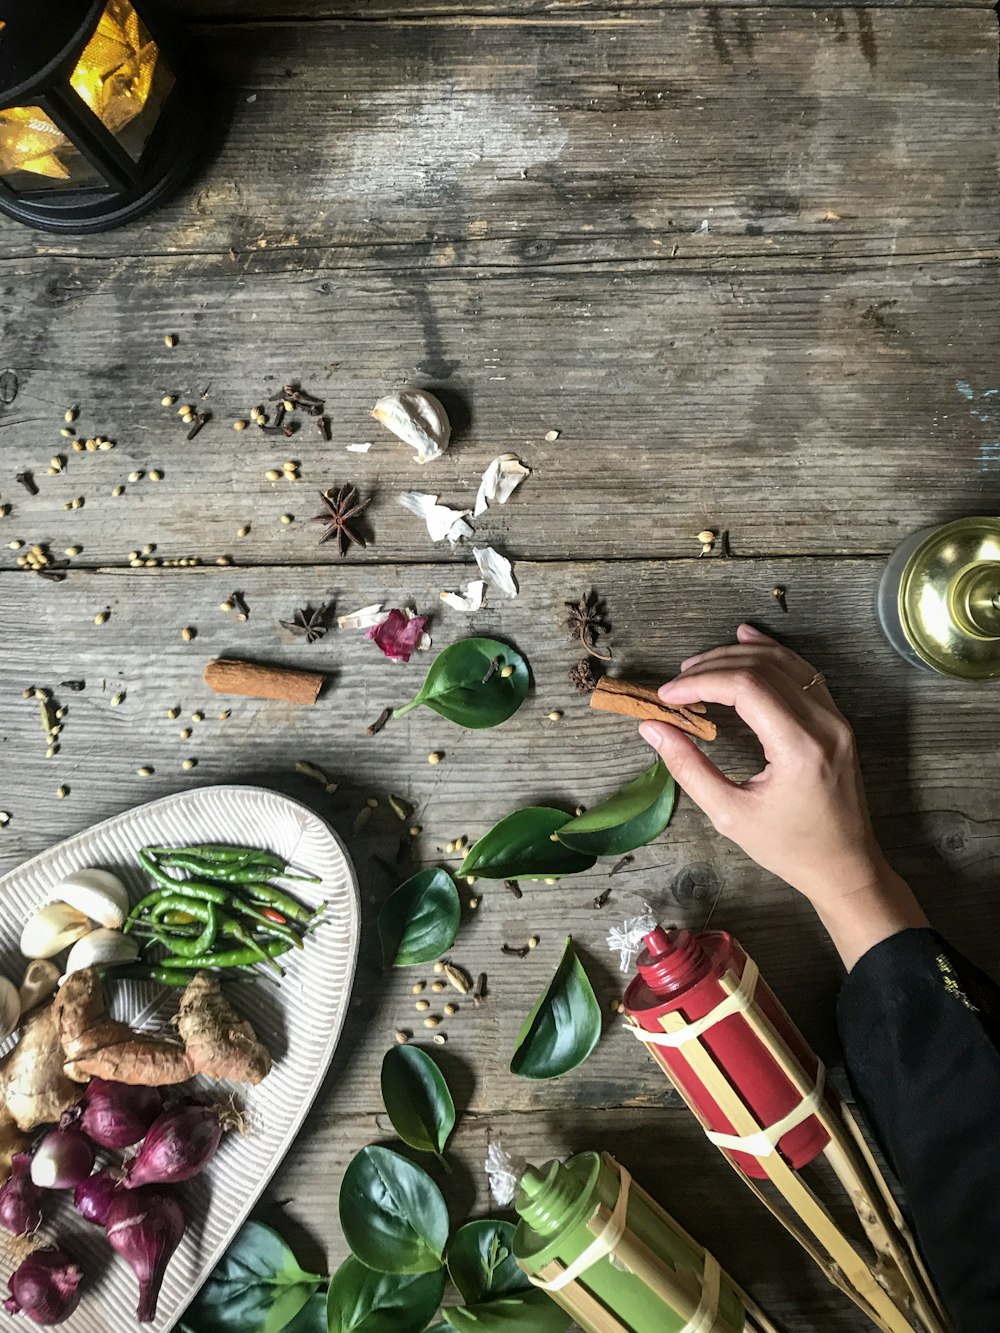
{"x":40,"y":981}
{"x":53,"y":928}
{"x":418,"y":419}
{"x":101,"y":948}
{"x":10,"y":1008}
{"x":97,"y":894}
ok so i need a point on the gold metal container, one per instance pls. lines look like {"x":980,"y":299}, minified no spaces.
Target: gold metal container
{"x":939,"y":599}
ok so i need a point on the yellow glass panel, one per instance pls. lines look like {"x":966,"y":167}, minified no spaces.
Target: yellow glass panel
{"x":121,"y":76}
{"x":36,"y":155}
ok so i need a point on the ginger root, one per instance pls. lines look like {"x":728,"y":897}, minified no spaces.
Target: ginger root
{"x":219,"y":1043}
{"x":33,"y":1083}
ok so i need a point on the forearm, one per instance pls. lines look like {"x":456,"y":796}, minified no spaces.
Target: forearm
{"x":857,"y":919}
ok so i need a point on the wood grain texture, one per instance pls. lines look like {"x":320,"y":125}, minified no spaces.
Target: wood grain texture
{"x":806,"y":413}
{"x":692,"y":135}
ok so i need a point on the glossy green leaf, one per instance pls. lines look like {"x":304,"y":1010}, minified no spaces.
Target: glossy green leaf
{"x":361,"y":1300}
{"x":465,"y":686}
{"x":481,"y":1261}
{"x":632,"y":817}
{"x":392,"y":1214}
{"x":257,"y":1286}
{"x":417,"y":1099}
{"x":312,"y":1317}
{"x":520,"y":846}
{"x":419,"y":920}
{"x":563,"y":1027}
{"x":533,"y":1312}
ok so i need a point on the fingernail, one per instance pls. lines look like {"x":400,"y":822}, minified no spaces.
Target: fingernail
{"x":652,"y":732}
{"x":669,"y":685}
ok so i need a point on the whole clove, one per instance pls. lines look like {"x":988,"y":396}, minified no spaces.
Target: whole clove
{"x":200,"y":418}
{"x":75,"y":685}
{"x":602,"y":898}
{"x":513,"y":951}
{"x":27,"y":480}
{"x":378,"y":724}
{"x":323,"y":426}
{"x":620,"y":865}
{"x":491,"y":670}
{"x":725,"y":550}
{"x":239,"y":606}
{"x":514,"y":887}
{"x":479,"y":994}
{"x":778,"y":593}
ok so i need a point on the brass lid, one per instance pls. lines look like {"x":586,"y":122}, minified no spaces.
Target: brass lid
{"x":949,"y":599}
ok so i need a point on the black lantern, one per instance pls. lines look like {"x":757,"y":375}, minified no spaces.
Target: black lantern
{"x":97,"y":121}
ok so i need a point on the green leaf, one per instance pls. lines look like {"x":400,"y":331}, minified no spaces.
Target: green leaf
{"x":417,"y":1098}
{"x":633,"y":816}
{"x":481,"y":1261}
{"x":392,"y":1214}
{"x":420,"y":919}
{"x":534,"y":1312}
{"x":520,"y":846}
{"x":563,"y":1027}
{"x":257,"y":1287}
{"x":312,"y":1317}
{"x":363,"y":1301}
{"x":464,"y":686}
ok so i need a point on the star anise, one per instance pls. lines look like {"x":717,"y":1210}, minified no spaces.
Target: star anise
{"x":307,"y":624}
{"x":586,"y":621}
{"x":582,"y":676}
{"x":342,"y":506}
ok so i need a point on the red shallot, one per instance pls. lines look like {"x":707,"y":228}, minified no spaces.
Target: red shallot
{"x":20,"y":1198}
{"x":399,"y":635}
{"x":45,"y":1287}
{"x":145,"y":1227}
{"x":63,"y":1158}
{"x":179,"y":1144}
{"x":92,"y":1197}
{"x":116,"y":1115}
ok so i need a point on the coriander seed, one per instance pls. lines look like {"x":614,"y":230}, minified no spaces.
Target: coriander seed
{"x":437,"y":987}
{"x":422,"y":1006}
{"x":551,"y":436}
{"x":168,"y":399}
{"x":198,"y":716}
{"x":418,"y":987}
{"x":62,"y":793}
{"x":14,"y":545}
{"x":431,"y":1021}
{"x":439,"y":967}
{"x":506,"y":672}
{"x":435,"y":757}
{"x":549,"y":881}
{"x":400,"y":1038}
{"x":451,"y":1009}
{"x":117,"y":699}
{"x":102,"y":617}
{"x":188,"y":764}
{"x":470,"y":880}
{"x":74,"y":550}
{"x":225,"y":715}
{"x":170,"y":339}
{"x":244,"y":531}
{"x":414,"y":830}
{"x":439,"y":1039}
{"x":78,"y":446}
{"x":272,"y":474}
{"x":173,"y":713}
{"x":473,"y":904}
{"x":187,"y":634}
{"x":287,"y":519}
{"x":185,"y":733}
{"x":156,"y":475}
{"x":239,"y":424}
{"x":70,"y":415}
{"x":555,"y":715}
{"x":449,"y":848}
{"x":118,"y":490}
{"x":67,"y":433}
{"x":144,"y":772}
{"x":226,"y":605}
{"x":135,"y":476}
{"x":533,"y":942}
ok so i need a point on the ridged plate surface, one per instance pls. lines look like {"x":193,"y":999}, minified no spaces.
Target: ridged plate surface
{"x":299,"y":1020}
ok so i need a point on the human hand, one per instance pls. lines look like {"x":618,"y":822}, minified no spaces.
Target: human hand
{"x":804,"y":816}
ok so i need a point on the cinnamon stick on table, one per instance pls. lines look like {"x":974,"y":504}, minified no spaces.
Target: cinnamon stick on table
{"x":228,"y":675}
{"x":629,"y":700}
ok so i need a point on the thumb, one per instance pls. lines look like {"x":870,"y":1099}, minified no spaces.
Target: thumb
{"x":692,"y":770}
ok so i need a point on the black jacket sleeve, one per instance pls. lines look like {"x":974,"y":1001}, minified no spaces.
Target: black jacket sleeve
{"x":920,"y":1027}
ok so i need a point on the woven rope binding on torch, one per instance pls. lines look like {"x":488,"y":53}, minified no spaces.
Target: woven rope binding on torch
{"x":599,"y":1246}
{"x":708,"y":1307}
{"x":737,"y":1003}
{"x":764,"y":1142}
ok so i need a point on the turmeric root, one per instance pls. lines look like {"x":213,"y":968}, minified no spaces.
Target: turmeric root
{"x":219,"y":1043}
{"x":96,"y":1046}
{"x":34,"y":1085}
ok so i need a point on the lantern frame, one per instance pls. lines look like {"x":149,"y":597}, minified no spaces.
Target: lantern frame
{"x":37,"y":63}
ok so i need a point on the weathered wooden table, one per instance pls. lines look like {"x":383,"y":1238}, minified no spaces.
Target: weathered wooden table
{"x":744,"y":261}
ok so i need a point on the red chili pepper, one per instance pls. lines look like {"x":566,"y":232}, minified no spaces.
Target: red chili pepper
{"x":274,"y":916}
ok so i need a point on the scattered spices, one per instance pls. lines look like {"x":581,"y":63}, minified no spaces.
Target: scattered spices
{"x":316,"y":774}
{"x":168,"y":399}
{"x":724,"y":548}
{"x":188,"y":764}
{"x":439,"y":968}
{"x":620,"y":865}
{"x":116,"y":491}
{"x":240,"y":424}
{"x":239,"y":606}
{"x":399,"y":634}
{"x":707,"y":539}
{"x":418,"y":987}
{"x":102,"y":617}
{"x":342,"y":506}
{"x":62,"y":793}
{"x":156,"y":475}
{"x":551,"y":436}
{"x":185,"y":733}
{"x":272,"y":474}
{"x":492,"y":669}
{"x":439,"y":1039}
{"x":586,"y":622}
{"x":479,"y":994}
{"x":27,"y":480}
{"x":323,"y":426}
{"x":451,"y":1009}
{"x":473,"y":904}
{"x":135,"y":476}
{"x":555,"y":715}
{"x":375,"y":727}
{"x":533,"y":942}
{"x":458,"y":978}
{"x":778,"y":593}
{"x":187,"y":633}
{"x":437,"y":987}
{"x":200,"y":419}
{"x":170,"y":339}
{"x":414,"y":830}
{"x":144,"y":772}
{"x":431,"y":1021}
{"x":198,"y":716}
{"x":582,"y":677}
{"x":400,"y":808}
{"x":287,"y":519}
{"x":513,"y":951}
{"x":514,"y":887}
{"x":306,"y":623}
{"x":173,"y":713}
{"x":118,"y":699}
{"x":435,"y":757}
{"x":422,"y":1005}
{"x":4,"y":818}
{"x":400,"y":1037}
{"x":244,"y":531}
{"x":75,"y":685}
{"x":602,"y":898}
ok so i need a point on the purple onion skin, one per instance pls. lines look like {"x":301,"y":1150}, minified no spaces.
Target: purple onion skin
{"x":178,"y":1146}
{"x":46,"y":1288}
{"x":20,"y":1198}
{"x":145,"y":1227}
{"x":117,"y":1115}
{"x":73,"y":1155}
{"x":92,"y":1197}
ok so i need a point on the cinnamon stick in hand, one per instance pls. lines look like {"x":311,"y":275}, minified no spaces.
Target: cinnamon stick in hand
{"x":638,"y":701}
{"x":227,"y":675}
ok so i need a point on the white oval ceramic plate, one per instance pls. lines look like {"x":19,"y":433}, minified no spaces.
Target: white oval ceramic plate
{"x":299,"y":1020}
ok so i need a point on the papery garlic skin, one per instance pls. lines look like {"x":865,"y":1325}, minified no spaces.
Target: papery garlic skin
{"x":53,"y":928}
{"x":10,"y":1008}
{"x":41,"y":978}
{"x":98,"y":894}
{"x":101,"y":948}
{"x":418,"y":419}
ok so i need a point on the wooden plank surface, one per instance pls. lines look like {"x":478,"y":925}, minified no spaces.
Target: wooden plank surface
{"x":676,"y":138}
{"x":511,"y":11}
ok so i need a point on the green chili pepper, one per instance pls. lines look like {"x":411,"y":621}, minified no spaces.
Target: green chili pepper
{"x":137,"y":972}
{"x":192,"y":888}
{"x":274,"y":928}
{"x":284,"y":902}
{"x":228,"y":958}
{"x":220,"y":861}
{"x":187,"y":948}
{"x":230,"y":926}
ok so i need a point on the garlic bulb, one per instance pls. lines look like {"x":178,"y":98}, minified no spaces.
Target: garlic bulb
{"x":53,"y":928}
{"x":40,"y":981}
{"x":10,"y":1008}
{"x":101,"y":948}
{"x":418,"y":419}
{"x":97,"y":894}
